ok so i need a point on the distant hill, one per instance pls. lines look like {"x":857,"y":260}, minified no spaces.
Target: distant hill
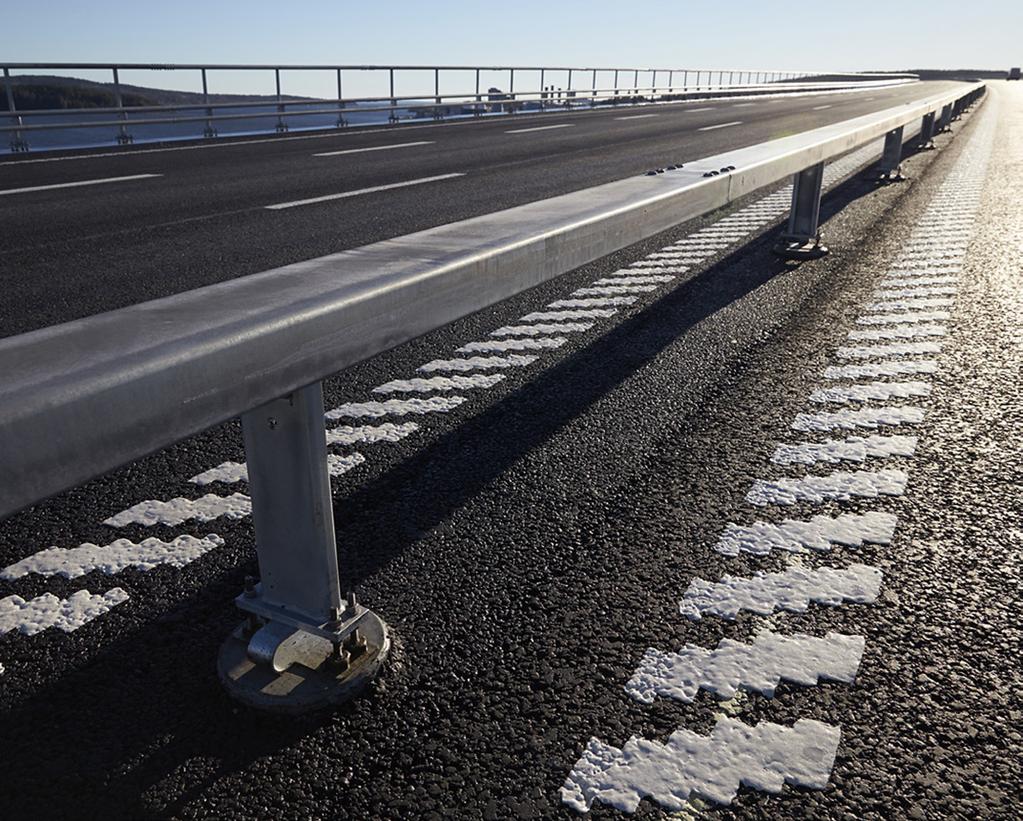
{"x":33,"y":92}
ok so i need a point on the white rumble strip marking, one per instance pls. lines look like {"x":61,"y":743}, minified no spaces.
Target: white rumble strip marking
{"x":849,"y":419}
{"x":758,"y":667}
{"x":882,"y":351}
{"x":817,"y":534}
{"x":565,"y":316}
{"x":919,"y":304}
{"x":852,"y":449}
{"x":233,"y":472}
{"x":840,"y":486}
{"x":45,"y":611}
{"x":895,"y":367}
{"x":439,"y":383}
{"x":179,"y":510}
{"x":765,"y":757}
{"x":902,"y":318}
{"x":592,"y":302}
{"x":502,"y":345}
{"x":792,"y":590}
{"x":870,"y":391}
{"x":539,"y":329}
{"x":395,"y":407}
{"x":898,"y":332}
{"x":477,"y":363}
{"x":369,"y":434}
{"x":113,"y":558}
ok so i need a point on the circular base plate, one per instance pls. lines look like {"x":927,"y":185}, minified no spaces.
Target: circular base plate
{"x":301,"y":688}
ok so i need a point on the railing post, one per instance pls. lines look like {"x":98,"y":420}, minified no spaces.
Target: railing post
{"x":476,"y":111}
{"x":927,"y":131}
{"x":123,"y":137}
{"x":945,"y":121}
{"x":616,"y":86}
{"x":511,"y":91}
{"x":593,"y":90}
{"x":302,"y":645}
{"x":341,"y":121}
{"x":671,"y":81}
{"x":891,"y":159}
{"x":392,"y":117}
{"x":18,"y":143}
{"x":209,"y":132}
{"x":802,"y":238}
{"x":282,"y":124}
{"x":437,"y":115}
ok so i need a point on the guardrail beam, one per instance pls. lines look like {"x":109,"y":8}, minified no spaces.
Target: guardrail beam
{"x":802,"y":238}
{"x":299,"y":627}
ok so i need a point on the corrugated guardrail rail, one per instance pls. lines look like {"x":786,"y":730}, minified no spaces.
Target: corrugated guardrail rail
{"x":82,"y":398}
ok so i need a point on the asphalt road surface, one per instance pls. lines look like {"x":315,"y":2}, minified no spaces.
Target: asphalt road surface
{"x":543,"y":548}
{"x":170,"y":220}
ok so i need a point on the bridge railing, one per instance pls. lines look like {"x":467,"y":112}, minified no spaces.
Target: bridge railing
{"x":582,"y":87}
{"x":83,"y":398}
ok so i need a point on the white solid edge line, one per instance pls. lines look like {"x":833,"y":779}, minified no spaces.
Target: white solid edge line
{"x":77,"y":184}
{"x":637,"y":116}
{"x":344,"y":194}
{"x":539,"y":128}
{"x":373,"y":148}
{"x":719,"y":125}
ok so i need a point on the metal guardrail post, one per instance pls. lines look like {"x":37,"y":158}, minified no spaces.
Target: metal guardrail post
{"x":123,"y":137}
{"x":341,"y":121}
{"x":392,"y":117}
{"x":927,"y":131}
{"x":302,"y":645}
{"x":802,"y":238}
{"x":209,"y":132}
{"x":891,"y":158}
{"x":282,"y":125}
{"x":945,"y":120}
{"x":18,"y":143}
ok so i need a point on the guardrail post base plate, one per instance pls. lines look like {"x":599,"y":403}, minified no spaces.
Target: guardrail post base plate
{"x":318,"y":674}
{"x":19,"y":145}
{"x":301,"y":647}
{"x":891,"y":159}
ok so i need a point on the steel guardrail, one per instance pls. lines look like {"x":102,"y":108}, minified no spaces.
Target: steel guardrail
{"x":82,"y":398}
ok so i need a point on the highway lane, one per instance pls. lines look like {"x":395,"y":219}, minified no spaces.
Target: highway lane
{"x":530,"y":545}
{"x":67,"y":253}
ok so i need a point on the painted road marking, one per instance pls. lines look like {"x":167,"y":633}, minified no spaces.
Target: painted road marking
{"x":440,"y":383}
{"x":369,"y":434}
{"x":882,"y":351}
{"x":893,"y":368}
{"x":841,"y":486}
{"x":78,"y":184}
{"x":477,"y":363}
{"x":114,"y":557}
{"x":180,"y":510}
{"x":539,"y":128}
{"x":791,"y":590}
{"x":720,"y":125}
{"x":230,"y":473}
{"x":395,"y":407}
{"x":821,"y":107}
{"x":881,"y":391}
{"x":373,"y":148}
{"x":637,"y":116}
{"x":502,"y":345}
{"x":346,"y":194}
{"x":765,"y":757}
{"x":758,"y":667}
{"x":911,"y":316}
{"x":562,"y":316}
{"x":42,"y":612}
{"x":818,"y":534}
{"x":861,"y":418}
{"x":542,"y":329}
{"x":852,"y":449}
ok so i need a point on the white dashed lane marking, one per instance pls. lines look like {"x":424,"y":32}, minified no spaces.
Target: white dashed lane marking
{"x":539,"y":128}
{"x":360,"y":192}
{"x":720,"y":125}
{"x":79,"y":184}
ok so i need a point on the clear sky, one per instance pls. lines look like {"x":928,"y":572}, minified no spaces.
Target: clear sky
{"x":883,"y":34}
